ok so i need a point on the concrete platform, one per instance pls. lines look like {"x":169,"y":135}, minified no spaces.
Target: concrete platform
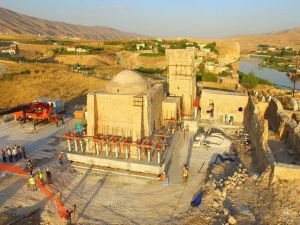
{"x":134,"y":165}
{"x":131,"y":165}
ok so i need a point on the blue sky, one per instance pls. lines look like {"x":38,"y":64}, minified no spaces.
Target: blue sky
{"x":169,"y":18}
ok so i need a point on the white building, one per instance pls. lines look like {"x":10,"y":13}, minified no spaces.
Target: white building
{"x":138,"y":46}
{"x":72,"y":49}
{"x":81,"y":50}
{"x":8,"y":51}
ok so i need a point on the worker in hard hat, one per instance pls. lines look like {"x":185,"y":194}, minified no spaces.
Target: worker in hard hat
{"x":185,"y":173}
{"x":40,"y":175}
{"x":29,"y":166}
{"x":163,"y":176}
{"x":59,"y":157}
{"x":49,"y":176}
{"x":32,"y":183}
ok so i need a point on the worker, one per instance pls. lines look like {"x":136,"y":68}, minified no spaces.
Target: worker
{"x":49,"y":176}
{"x":23,"y":150}
{"x":19,"y":152}
{"x":79,"y":128}
{"x":185,"y":173}
{"x":32,"y":183}
{"x":40,"y":175}
{"x":3,"y":155}
{"x":29,"y":166}
{"x":163,"y":176}
{"x":9,"y":153}
{"x":69,"y":216}
{"x":59,"y":157}
{"x":15,"y":153}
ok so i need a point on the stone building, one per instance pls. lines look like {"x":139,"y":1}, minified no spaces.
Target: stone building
{"x":128,"y":106}
{"x":222,"y":106}
{"x":182,"y":78}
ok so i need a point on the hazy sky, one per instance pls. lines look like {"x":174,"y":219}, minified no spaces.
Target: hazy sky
{"x":169,"y":18}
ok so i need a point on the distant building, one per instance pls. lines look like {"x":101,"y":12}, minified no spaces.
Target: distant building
{"x":72,"y":49}
{"x":201,"y":46}
{"x":190,"y":48}
{"x":81,"y":50}
{"x":189,"y":43}
{"x":139,"y":46}
{"x":272,"y":49}
{"x":207,"y":50}
{"x":8,"y":51}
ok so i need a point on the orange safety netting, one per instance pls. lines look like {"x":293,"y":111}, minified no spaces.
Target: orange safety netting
{"x":13,"y":169}
{"x":18,"y":170}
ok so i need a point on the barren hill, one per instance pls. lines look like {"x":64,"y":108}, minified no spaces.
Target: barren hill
{"x":284,"y":38}
{"x":16,"y":23}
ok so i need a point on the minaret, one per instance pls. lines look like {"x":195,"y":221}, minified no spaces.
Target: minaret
{"x":182,"y":78}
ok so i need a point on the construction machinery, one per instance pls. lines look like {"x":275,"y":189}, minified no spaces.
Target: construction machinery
{"x":39,"y":111}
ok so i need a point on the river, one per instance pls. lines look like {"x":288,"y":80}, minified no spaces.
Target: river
{"x":278,"y":78}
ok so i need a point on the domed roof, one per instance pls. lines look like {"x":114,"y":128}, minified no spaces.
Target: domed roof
{"x":127,"y":82}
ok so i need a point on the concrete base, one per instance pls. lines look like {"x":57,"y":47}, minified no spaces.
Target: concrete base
{"x":130,"y":164}
{"x":116,"y":164}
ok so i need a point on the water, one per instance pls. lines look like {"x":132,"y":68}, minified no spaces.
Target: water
{"x":278,"y":78}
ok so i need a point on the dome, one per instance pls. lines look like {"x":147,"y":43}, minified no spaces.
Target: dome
{"x":127,"y":82}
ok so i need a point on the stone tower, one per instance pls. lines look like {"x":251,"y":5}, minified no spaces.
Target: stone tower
{"x":182,"y":78}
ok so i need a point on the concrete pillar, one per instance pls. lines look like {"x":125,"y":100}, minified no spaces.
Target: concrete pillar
{"x":158,"y":157}
{"x":69,"y":145}
{"x":97,"y":148}
{"x":81,"y":145}
{"x":76,"y":146}
{"x":106,"y":149}
{"x":126,"y":151}
{"x":149,"y":156}
{"x":139,"y":153}
{"x":117,"y":151}
{"x":87,"y":147}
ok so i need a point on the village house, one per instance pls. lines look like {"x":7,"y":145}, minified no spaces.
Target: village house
{"x":139,"y":46}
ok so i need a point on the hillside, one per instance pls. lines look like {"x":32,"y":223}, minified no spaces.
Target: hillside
{"x":35,"y":80}
{"x":284,"y":38}
{"x":16,"y":23}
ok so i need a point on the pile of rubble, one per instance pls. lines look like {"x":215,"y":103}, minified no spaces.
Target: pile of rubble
{"x":224,"y":185}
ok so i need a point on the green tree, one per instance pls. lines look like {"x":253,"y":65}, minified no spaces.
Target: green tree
{"x":249,"y":81}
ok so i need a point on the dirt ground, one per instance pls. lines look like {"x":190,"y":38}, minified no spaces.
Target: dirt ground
{"x":234,"y":193}
{"x":88,"y":60}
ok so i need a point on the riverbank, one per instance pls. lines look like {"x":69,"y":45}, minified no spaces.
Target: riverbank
{"x":278,"y":78}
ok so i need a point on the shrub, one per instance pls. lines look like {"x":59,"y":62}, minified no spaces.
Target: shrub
{"x":210,"y":77}
{"x":250,"y":80}
{"x":213,"y":47}
{"x":150,"y":70}
{"x":152,"y":54}
{"x":6,"y":76}
{"x":224,"y":74}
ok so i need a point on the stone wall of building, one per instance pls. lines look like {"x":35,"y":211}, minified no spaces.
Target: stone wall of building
{"x":287,"y":172}
{"x":182,"y":78}
{"x":123,"y":114}
{"x":257,"y":127}
{"x":281,"y":123}
{"x":225,"y":103}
